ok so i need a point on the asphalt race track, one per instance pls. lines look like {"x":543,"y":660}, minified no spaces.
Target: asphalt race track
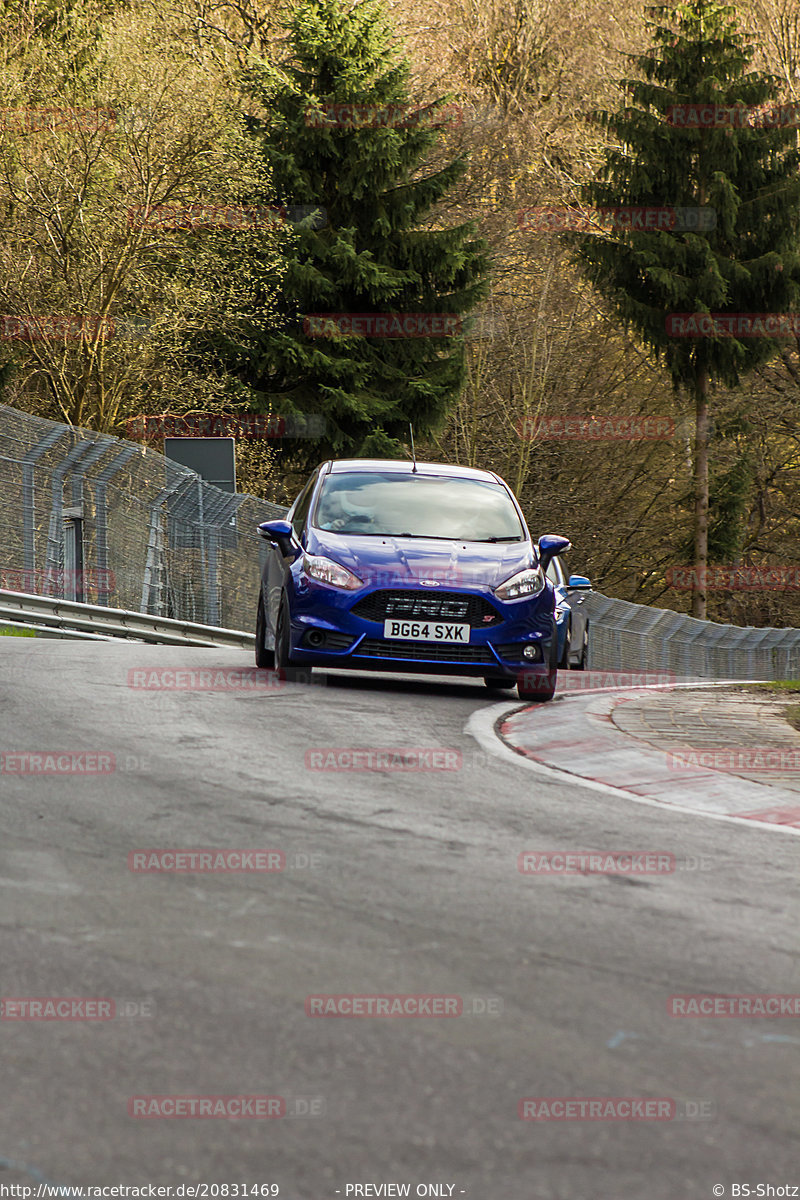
{"x":396,"y":882}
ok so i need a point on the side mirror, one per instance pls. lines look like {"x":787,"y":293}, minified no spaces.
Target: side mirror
{"x":551,"y":544}
{"x":579,"y":583}
{"x":280,"y":534}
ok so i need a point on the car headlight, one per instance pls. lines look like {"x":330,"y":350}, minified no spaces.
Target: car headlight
{"x":328,"y":571}
{"x":529,"y":582}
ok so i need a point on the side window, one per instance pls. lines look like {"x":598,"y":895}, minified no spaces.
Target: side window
{"x":554,"y":573}
{"x":301,"y":507}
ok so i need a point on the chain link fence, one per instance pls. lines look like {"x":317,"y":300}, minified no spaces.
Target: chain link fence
{"x":633,"y":637}
{"x":93,"y":518}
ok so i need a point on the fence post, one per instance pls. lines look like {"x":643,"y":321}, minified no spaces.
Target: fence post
{"x":101,"y":520}
{"x":29,"y":498}
{"x":55,"y":538}
{"x":73,"y":554}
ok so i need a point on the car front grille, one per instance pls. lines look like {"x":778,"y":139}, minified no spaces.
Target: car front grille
{"x":424,"y":651}
{"x":473,"y":610}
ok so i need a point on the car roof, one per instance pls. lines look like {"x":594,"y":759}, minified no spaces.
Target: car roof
{"x":405,"y":466}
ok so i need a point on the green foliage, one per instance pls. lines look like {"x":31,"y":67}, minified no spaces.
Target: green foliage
{"x":223,"y":281}
{"x":378,"y":444}
{"x":379,"y":249}
{"x":6,"y":375}
{"x":732,"y":475}
{"x":747,"y":174}
{"x":57,"y":44}
{"x":729,"y":495}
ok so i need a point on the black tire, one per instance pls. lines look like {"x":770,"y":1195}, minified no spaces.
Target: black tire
{"x":264,"y":657}
{"x":581,"y":664}
{"x":499,"y":682}
{"x":283,"y":657}
{"x":542,"y":690}
{"x":564,"y":663}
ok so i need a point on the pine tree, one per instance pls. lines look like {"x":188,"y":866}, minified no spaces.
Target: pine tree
{"x":6,"y":375}
{"x":728,"y":495}
{"x":680,"y":146}
{"x":373,"y":244}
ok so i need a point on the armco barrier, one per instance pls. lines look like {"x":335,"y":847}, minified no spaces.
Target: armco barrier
{"x":634,"y":637}
{"x":45,"y":617}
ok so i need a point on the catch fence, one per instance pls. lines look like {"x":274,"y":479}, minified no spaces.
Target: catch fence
{"x":100,"y":520}
{"x":637,"y":638}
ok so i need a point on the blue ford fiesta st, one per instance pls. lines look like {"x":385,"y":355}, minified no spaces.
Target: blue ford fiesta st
{"x":415,"y":567}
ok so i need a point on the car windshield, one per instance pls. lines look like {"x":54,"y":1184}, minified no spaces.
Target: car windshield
{"x":430,"y":506}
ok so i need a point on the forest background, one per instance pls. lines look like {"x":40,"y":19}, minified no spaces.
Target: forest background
{"x":522,"y":80}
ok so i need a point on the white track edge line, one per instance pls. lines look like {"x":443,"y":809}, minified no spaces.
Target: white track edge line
{"x":482,"y":726}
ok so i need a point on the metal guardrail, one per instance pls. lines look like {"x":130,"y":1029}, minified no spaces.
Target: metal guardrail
{"x":635,"y":637}
{"x":57,"y":618}
{"x":623,"y":636}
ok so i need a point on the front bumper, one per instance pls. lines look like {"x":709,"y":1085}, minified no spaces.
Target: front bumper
{"x":325,"y":631}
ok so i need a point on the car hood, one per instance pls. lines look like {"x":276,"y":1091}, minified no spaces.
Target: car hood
{"x":393,"y":562}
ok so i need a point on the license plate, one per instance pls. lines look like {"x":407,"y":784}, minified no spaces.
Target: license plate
{"x":426,"y":631}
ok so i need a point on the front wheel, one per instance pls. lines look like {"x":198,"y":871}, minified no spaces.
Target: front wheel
{"x":283,"y":651}
{"x":581,"y":664}
{"x":564,"y":664}
{"x":538,"y":687}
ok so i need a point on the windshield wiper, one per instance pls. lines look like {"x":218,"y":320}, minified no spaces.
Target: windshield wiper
{"x":434,"y":537}
{"x":431,"y":537}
